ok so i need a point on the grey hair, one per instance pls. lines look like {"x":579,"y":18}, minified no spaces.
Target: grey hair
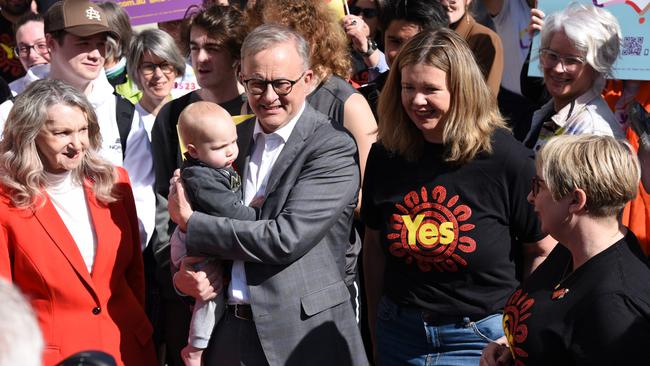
{"x":21,"y":341}
{"x":160,"y":44}
{"x":21,"y":168}
{"x":266,"y":36}
{"x":592,"y":30}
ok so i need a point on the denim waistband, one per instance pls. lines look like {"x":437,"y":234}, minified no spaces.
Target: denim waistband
{"x":435,"y":318}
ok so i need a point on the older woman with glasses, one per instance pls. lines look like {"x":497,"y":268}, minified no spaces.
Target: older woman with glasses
{"x":153,"y":63}
{"x":588,"y":303}
{"x":579,"y":45}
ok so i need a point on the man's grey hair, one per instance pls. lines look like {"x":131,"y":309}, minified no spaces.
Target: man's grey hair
{"x":21,"y":342}
{"x":267,"y":36}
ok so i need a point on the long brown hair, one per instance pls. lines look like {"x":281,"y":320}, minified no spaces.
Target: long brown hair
{"x":21,"y":168}
{"x":473,"y":113}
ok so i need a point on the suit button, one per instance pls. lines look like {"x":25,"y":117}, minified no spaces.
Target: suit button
{"x":97,"y":310}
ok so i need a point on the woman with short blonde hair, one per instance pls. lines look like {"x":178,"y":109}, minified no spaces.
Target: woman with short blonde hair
{"x":588,"y":303}
{"x":602,"y":167}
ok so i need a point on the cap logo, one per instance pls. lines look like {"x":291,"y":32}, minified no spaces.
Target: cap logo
{"x":91,"y":14}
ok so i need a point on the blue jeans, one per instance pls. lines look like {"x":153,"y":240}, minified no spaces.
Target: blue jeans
{"x":405,"y":338}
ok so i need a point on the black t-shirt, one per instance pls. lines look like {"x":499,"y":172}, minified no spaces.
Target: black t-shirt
{"x":603,"y":318}
{"x":10,"y":66}
{"x":449,"y":232}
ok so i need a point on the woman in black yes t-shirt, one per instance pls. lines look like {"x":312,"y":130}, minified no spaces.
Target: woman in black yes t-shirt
{"x":589,"y":302}
{"x":445,"y":206}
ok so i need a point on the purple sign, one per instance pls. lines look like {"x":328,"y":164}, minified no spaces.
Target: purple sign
{"x":154,"y":11}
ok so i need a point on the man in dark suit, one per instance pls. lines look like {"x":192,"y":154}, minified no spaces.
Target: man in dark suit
{"x":287,"y":302}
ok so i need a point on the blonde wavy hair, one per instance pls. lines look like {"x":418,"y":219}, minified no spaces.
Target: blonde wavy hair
{"x":604,"y":167}
{"x":21,"y":168}
{"x":329,"y":53}
{"x":473,"y":114}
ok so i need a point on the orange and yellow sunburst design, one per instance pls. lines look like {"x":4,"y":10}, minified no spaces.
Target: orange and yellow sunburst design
{"x":515,"y":314}
{"x":429,"y":229}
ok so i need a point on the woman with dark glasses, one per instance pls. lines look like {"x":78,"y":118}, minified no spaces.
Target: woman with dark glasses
{"x":578,"y":47}
{"x":588,"y":303}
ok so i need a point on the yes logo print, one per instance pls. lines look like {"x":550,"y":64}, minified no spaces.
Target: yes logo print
{"x":428,"y":228}
{"x":515,"y":314}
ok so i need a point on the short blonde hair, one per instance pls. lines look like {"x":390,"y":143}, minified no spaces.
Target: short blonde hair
{"x":602,"y":166}
{"x":473,"y":113}
{"x":21,"y":168}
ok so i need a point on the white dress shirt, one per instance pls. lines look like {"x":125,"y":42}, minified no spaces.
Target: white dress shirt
{"x":264,"y":154}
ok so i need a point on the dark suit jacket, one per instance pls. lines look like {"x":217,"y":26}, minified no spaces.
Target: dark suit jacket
{"x":295,"y":253}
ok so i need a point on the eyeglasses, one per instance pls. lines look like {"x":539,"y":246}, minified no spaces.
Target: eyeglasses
{"x":148,"y":68}
{"x":549,"y":58}
{"x":365,"y":12}
{"x":281,"y":87}
{"x":536,"y":185}
{"x":23,"y":49}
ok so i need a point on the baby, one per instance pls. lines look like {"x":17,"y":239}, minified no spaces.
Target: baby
{"x":212,"y":187}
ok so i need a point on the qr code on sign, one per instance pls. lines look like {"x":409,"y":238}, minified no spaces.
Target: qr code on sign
{"x":632,"y":46}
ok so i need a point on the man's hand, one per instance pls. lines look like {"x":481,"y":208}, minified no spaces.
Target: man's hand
{"x":178,"y":206}
{"x":204,"y":284}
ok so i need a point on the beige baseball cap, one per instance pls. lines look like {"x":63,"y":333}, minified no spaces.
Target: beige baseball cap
{"x":79,"y":17}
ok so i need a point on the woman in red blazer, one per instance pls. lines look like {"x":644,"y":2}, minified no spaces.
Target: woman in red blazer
{"x":69,"y":231}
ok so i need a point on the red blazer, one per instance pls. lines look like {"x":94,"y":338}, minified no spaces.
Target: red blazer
{"x":78,"y":311}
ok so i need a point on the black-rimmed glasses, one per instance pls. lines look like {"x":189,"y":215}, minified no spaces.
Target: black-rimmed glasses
{"x":281,"y":87}
{"x":536,"y":185}
{"x":148,"y":68}
{"x":23,"y":49}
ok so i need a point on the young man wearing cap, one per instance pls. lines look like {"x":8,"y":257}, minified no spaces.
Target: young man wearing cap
{"x":76,"y":32}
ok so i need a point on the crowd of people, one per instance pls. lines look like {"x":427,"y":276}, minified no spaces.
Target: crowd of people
{"x":271,"y":183}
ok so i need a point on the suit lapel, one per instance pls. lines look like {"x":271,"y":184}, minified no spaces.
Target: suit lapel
{"x":244,"y":142}
{"x":105,"y":250}
{"x":302,"y":130}
{"x":50,"y":220}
